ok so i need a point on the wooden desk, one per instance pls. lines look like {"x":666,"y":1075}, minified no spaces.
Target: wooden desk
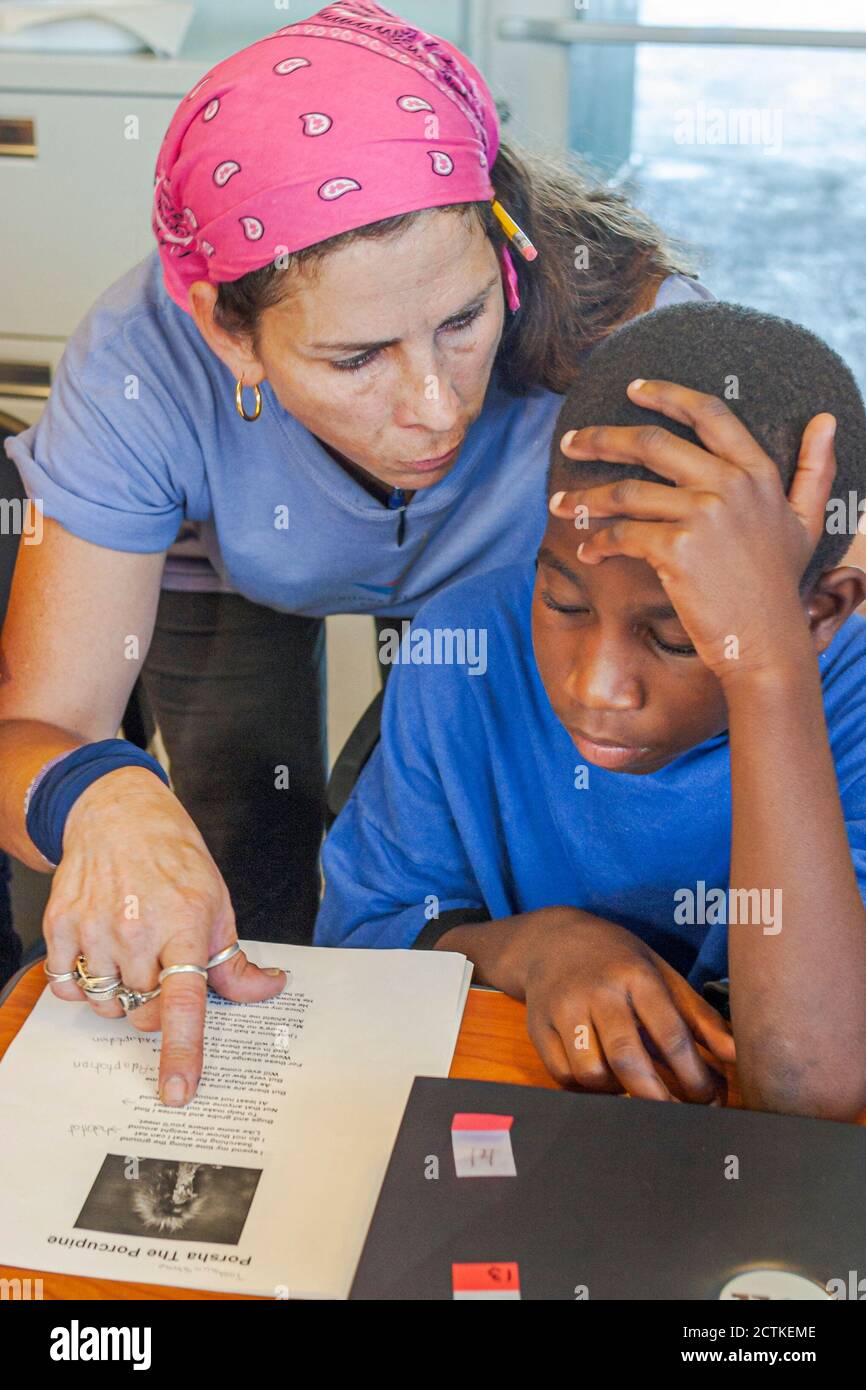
{"x":493,"y":1046}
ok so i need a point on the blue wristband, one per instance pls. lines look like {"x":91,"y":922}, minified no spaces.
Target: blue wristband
{"x":53,"y":798}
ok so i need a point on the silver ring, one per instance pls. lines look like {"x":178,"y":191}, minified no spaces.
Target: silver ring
{"x":104,"y":987}
{"x":106,"y":991}
{"x":59,"y":976}
{"x":130,"y":999}
{"x":182,"y":970}
{"x":222,"y":956}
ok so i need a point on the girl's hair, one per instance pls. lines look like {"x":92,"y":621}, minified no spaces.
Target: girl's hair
{"x":599,"y":263}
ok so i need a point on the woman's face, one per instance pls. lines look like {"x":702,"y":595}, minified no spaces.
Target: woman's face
{"x":384,"y":348}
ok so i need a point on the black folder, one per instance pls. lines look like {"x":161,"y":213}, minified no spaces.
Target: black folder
{"x":616,"y":1198}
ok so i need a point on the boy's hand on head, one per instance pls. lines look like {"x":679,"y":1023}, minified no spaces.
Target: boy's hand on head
{"x":591,"y":987}
{"x":729,"y":547}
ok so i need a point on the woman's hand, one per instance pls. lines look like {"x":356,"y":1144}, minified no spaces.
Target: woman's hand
{"x":724,"y":534}
{"x":592,"y":987}
{"x":135,"y":891}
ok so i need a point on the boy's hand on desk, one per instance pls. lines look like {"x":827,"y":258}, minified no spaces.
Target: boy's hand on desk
{"x":723,"y":535}
{"x":590,"y":988}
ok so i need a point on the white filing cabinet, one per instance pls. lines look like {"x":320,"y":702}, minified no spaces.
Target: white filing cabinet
{"x":75,"y":197}
{"x":79,"y":137}
{"x":76,"y":209}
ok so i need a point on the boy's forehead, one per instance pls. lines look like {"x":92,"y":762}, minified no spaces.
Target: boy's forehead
{"x":634,"y":579}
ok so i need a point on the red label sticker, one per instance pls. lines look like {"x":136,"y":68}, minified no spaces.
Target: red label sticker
{"x":486,"y":1280}
{"x":482,"y":1123}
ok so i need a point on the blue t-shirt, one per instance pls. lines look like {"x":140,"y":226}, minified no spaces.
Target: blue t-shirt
{"x":470,"y":799}
{"x":140,"y":433}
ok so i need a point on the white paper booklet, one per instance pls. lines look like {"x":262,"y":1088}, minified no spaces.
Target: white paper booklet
{"x":267,"y":1181}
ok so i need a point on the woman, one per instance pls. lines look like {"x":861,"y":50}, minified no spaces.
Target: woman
{"x":333,"y":365}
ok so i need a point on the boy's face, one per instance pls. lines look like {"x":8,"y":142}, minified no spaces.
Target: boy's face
{"x":601,"y":635}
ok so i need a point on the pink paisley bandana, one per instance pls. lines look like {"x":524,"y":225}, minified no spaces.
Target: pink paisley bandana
{"x":342,"y":120}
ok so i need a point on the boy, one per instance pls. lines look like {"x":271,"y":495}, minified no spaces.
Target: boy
{"x":660,"y":777}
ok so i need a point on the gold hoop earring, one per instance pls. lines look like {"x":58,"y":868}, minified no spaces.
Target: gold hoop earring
{"x":239,"y":402}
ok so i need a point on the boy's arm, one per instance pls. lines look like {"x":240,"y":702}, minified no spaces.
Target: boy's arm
{"x":798,"y":984}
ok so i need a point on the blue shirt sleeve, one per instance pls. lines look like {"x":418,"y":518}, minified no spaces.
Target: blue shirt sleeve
{"x":100,"y":456}
{"x":393,"y":860}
